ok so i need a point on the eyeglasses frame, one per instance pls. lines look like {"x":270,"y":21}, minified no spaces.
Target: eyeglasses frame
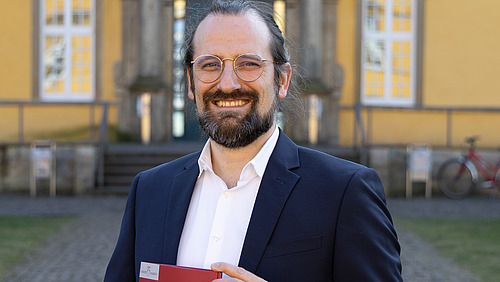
{"x":234,"y":66}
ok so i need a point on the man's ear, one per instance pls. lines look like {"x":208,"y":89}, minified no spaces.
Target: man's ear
{"x":190,"y":91}
{"x":286,"y":74}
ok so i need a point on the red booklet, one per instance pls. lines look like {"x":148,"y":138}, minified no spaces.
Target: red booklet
{"x":174,"y":273}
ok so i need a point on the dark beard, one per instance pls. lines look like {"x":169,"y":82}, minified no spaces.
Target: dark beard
{"x":230,"y":130}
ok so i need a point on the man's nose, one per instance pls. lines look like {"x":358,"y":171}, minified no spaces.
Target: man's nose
{"x":228,"y":81}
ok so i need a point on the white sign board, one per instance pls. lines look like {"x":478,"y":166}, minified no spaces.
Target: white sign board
{"x":420,"y":160}
{"x":42,"y":162}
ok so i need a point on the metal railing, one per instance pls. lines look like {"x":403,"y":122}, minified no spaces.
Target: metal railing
{"x":22,"y":105}
{"x":363,"y":118}
{"x":364,"y":126}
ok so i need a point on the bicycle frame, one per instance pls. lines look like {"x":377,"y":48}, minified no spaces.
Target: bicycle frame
{"x":488,"y":170}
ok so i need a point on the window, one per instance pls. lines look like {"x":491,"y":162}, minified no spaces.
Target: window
{"x":280,"y":10}
{"x":388,"y":52}
{"x":67,"y":50}
{"x":178,"y":116}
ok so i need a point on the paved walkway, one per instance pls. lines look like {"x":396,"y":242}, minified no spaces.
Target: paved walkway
{"x":81,"y":250}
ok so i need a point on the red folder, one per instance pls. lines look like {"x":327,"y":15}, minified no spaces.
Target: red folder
{"x":173,"y":273}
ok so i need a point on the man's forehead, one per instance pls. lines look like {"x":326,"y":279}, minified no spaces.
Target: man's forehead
{"x":227,"y":29}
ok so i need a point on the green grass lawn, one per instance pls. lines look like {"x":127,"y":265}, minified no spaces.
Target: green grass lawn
{"x":472,"y":243}
{"x":21,"y":235}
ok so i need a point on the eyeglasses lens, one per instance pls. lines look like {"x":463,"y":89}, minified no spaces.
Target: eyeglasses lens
{"x":248,"y":67}
{"x":207,"y":68}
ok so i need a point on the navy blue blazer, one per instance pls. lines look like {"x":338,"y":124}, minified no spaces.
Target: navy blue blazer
{"x":316,"y":218}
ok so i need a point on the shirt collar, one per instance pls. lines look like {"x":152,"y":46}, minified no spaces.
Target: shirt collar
{"x":258,"y":163}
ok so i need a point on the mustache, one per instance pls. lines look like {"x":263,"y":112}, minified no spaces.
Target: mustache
{"x":235,"y":94}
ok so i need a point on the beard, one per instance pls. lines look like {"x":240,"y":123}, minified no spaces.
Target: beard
{"x":231,"y":129}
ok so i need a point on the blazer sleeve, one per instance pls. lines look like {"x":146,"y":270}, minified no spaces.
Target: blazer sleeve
{"x":121,"y":266}
{"x":366,"y":244}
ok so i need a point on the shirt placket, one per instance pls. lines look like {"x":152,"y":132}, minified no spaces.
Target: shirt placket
{"x":217,"y":236}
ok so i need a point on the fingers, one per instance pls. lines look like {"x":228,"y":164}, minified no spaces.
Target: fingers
{"x":239,"y":273}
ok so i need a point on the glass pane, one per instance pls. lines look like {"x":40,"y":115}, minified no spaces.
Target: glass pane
{"x":280,"y":12}
{"x":81,"y":4}
{"x":81,"y":12}
{"x":401,"y":69}
{"x":375,"y":15}
{"x":86,"y":87}
{"x":368,"y":91}
{"x":178,"y":116}
{"x":75,"y":86}
{"x":314,"y":114}
{"x":402,"y":15}
{"x":178,"y":124}
{"x":374,"y":68}
{"x":401,"y":85}
{"x":374,"y":54}
{"x":54,"y":12}
{"x":53,"y":58}
{"x":179,"y":9}
{"x":81,"y":64}
{"x":374,"y":83}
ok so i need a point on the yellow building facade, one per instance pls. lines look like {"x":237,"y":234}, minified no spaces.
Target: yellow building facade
{"x":26,"y":113}
{"x":445,"y":70}
{"x":457,"y":89}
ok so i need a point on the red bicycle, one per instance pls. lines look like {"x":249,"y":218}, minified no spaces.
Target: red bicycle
{"x":457,"y":177}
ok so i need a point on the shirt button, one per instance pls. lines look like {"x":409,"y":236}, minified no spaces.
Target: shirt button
{"x":217,"y":237}
{"x":228,"y":194}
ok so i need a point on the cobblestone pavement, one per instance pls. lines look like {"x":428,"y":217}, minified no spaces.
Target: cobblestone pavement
{"x":421,"y":261}
{"x":81,"y":250}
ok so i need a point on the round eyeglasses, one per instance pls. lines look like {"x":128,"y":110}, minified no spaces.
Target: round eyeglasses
{"x":248,"y":67}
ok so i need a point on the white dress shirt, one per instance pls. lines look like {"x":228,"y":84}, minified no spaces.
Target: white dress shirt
{"x":218,"y":217}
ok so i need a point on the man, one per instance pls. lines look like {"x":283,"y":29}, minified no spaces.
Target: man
{"x":252,"y":204}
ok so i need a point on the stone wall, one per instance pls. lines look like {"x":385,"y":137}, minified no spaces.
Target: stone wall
{"x":75,"y":169}
{"x":391,"y":165}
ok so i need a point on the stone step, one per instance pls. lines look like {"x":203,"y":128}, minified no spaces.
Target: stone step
{"x":122,"y":162}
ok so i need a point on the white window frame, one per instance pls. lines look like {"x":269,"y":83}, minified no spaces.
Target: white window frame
{"x":388,"y":37}
{"x":67,"y":31}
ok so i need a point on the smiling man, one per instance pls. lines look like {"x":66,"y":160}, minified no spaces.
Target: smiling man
{"x":252,"y":204}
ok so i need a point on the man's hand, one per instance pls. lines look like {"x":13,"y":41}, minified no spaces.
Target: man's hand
{"x":237,"y":273}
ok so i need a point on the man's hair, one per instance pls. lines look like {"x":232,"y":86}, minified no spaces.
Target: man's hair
{"x":265,"y":11}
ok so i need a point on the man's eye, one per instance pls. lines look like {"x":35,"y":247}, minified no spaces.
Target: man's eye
{"x":210,"y":66}
{"x":248,"y":64}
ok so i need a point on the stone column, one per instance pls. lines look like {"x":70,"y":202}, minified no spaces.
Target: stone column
{"x":149,"y":50}
{"x":292,"y":27}
{"x":126,"y":71}
{"x":305,"y":17}
{"x":150,"y":79}
{"x":315,"y":23}
{"x":295,"y":125}
{"x":332,"y":75}
{"x":311,"y":38}
{"x":145,"y":68}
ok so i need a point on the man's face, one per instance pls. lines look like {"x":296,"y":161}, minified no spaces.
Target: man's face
{"x":233,"y":112}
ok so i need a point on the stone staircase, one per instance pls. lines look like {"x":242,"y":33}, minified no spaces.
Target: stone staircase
{"x":123,"y":161}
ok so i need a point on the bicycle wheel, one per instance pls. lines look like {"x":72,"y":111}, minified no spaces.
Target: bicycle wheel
{"x":455,"y":179}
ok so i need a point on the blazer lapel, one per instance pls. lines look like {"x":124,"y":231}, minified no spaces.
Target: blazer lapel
{"x":177,"y":208}
{"x":277,"y":184}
